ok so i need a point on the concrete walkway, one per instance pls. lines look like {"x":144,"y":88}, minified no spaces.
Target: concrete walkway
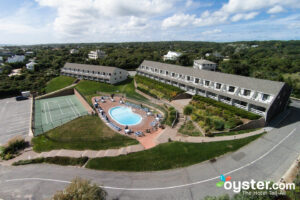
{"x":30,"y":154}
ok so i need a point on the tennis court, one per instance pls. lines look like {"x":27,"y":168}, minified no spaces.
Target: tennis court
{"x":53,"y":112}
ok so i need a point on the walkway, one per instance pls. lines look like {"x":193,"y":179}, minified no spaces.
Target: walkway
{"x":30,"y":154}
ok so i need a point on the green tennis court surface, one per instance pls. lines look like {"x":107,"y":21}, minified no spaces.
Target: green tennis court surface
{"x":53,"y":112}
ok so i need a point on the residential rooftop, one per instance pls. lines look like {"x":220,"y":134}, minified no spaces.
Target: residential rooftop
{"x":266,"y":86}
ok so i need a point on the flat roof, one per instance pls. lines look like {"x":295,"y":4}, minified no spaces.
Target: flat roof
{"x":260,"y":85}
{"x":96,"y":68}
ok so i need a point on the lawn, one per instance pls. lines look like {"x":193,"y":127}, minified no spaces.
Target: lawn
{"x":87,"y":132}
{"x":59,"y":83}
{"x":168,"y":156}
{"x":189,"y":128}
{"x":90,"y":88}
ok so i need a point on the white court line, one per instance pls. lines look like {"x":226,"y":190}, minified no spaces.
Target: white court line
{"x":60,"y":109}
{"x":74,"y":106}
{"x":49,"y":112}
{"x":45,"y":113}
{"x":71,"y":107}
{"x":168,"y":187}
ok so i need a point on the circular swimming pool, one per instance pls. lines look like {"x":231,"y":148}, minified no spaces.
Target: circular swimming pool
{"x":124,"y":115}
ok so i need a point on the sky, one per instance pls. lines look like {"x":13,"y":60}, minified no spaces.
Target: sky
{"x":76,"y":21}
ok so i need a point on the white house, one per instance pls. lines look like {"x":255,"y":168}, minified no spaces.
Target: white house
{"x":1,"y":59}
{"x":94,"y":55}
{"x":30,"y":66}
{"x":171,"y":55}
{"x":15,"y":59}
{"x":205,"y":65}
{"x":74,"y":51}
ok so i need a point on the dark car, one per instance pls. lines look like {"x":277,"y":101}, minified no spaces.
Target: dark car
{"x":20,"y":98}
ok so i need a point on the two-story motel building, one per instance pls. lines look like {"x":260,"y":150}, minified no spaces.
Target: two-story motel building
{"x":264,"y":97}
{"x":104,"y":74}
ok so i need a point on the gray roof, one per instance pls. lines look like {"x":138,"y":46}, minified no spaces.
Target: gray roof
{"x":202,"y":61}
{"x":261,"y":85}
{"x":96,"y":68}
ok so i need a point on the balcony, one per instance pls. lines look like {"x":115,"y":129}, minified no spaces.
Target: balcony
{"x":240,"y":106}
{"x":259,"y":112}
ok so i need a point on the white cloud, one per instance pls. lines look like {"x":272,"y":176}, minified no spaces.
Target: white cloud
{"x":178,"y":20}
{"x":211,"y":32}
{"x":236,"y":6}
{"x":77,"y":18}
{"x":242,"y":16}
{"x":275,"y":9}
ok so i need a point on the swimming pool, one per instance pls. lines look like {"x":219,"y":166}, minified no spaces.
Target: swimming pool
{"x":124,"y":115}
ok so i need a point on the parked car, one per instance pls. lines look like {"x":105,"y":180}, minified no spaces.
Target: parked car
{"x":20,"y":98}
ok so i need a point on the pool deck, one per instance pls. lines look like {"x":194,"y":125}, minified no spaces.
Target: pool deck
{"x":148,"y":140}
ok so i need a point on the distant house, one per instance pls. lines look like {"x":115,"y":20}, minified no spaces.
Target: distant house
{"x":94,"y":55}
{"x":15,"y":59}
{"x":105,"y":74}
{"x":205,"y":65}
{"x":30,"y":66}
{"x":74,"y":51}
{"x":171,"y":55}
{"x":254,"y":46}
{"x":1,"y":59}
{"x":215,"y":54}
{"x":28,"y":53}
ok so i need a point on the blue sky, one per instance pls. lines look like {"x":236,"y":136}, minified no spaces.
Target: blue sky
{"x":61,"y":21}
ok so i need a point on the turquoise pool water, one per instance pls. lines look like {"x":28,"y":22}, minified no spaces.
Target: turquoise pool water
{"x":124,"y":115}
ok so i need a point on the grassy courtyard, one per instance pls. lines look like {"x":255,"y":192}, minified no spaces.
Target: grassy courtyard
{"x":168,"y":156}
{"x":87,"y":132}
{"x":59,"y":83}
{"x":90,"y":89}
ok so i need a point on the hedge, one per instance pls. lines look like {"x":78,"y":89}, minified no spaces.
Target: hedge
{"x":237,"y":111}
{"x":59,"y":160}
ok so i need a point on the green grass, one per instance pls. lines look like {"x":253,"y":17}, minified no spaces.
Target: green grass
{"x":59,"y":83}
{"x":236,"y":132}
{"x":58,"y":160}
{"x":90,"y":88}
{"x":168,"y":156}
{"x":189,"y":129}
{"x":87,"y":132}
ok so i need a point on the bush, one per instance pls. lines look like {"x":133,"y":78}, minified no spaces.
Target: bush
{"x":168,"y":91}
{"x":81,"y":189}
{"x":219,"y":125}
{"x":231,"y":109}
{"x":188,"y":110}
{"x":58,"y":160}
{"x":147,"y":92}
{"x":12,"y":147}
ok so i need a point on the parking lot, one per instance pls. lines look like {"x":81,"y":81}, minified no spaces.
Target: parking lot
{"x":14,"y":118}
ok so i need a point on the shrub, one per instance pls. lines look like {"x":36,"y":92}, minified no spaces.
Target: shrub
{"x":219,"y":125}
{"x":188,"y":110}
{"x":59,"y":160}
{"x":167,"y":91}
{"x":229,"y":108}
{"x":81,"y":189}
{"x":12,"y":147}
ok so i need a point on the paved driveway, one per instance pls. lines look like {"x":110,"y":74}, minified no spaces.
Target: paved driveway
{"x":14,"y":118}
